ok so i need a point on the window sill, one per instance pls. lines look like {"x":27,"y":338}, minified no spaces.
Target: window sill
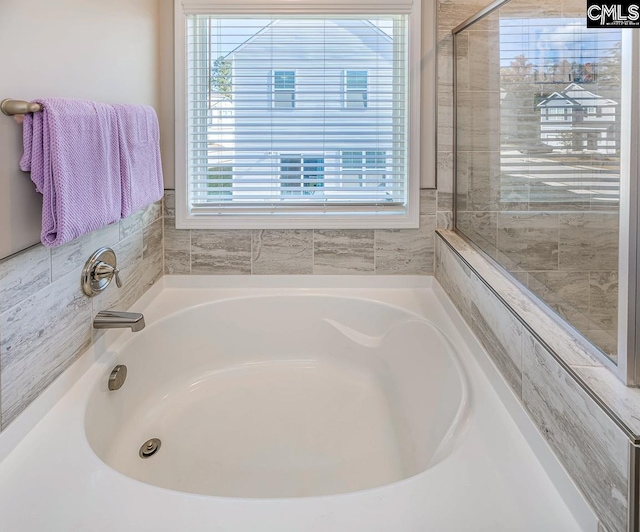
{"x":298,"y":221}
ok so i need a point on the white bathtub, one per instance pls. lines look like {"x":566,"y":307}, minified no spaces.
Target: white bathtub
{"x":286,"y":404}
{"x":282,"y":396}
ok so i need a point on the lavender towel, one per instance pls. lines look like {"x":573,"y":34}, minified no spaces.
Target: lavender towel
{"x":71,"y":149}
{"x":140,"y":164}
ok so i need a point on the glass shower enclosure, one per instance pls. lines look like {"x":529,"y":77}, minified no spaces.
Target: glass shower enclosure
{"x":543,"y":161}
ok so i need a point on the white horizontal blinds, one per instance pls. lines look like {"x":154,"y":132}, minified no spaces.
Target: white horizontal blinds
{"x":297,"y":113}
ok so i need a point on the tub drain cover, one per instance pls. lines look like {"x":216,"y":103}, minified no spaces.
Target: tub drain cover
{"x":150,"y":447}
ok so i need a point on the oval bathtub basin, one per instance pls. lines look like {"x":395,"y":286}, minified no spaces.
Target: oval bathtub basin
{"x":281,"y":396}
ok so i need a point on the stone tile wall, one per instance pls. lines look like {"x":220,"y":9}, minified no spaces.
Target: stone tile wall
{"x":45,"y":318}
{"x":301,"y":251}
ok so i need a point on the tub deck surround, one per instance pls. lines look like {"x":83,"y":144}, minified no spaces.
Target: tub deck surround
{"x":589,"y":418}
{"x":622,"y":402}
{"x":489,"y":470}
{"x":45,"y":319}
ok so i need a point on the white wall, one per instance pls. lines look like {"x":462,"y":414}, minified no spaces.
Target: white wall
{"x":103,"y":51}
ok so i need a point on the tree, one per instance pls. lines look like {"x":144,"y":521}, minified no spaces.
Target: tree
{"x":221,"y":77}
{"x":519,"y":71}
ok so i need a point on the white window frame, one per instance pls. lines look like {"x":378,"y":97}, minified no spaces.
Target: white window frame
{"x":368,"y":219}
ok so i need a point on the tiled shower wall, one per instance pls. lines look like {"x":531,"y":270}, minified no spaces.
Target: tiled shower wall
{"x":304,"y":251}
{"x":45,"y":318}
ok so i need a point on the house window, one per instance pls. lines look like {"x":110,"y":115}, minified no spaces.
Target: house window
{"x":556,"y":113}
{"x":301,"y":175}
{"x":364,"y":168}
{"x":323,"y":165}
{"x":284,"y":89}
{"x":352,"y":168}
{"x":355,"y":89}
{"x":290,"y":171}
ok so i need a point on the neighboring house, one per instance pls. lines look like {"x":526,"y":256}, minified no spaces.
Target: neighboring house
{"x":579,"y":120}
{"x":317,"y":120}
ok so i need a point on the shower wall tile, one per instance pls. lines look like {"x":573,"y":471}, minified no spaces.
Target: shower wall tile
{"x":459,"y":63}
{"x":463,"y":189}
{"x":478,"y":127}
{"x":169,"y":205}
{"x":484,"y":69}
{"x":23,"y":274}
{"x":603,"y":299}
{"x":501,"y":335}
{"x":482,"y":173}
{"x":495,"y":327}
{"x":588,"y":241}
{"x":225,"y":252}
{"x":302,"y":252}
{"x":592,"y":448}
{"x":177,"y":247}
{"x":480,"y":227}
{"x":140,"y":219}
{"x":67,"y":258}
{"x":282,"y":252}
{"x":428,"y":201}
{"x":406,"y":251}
{"x":444,"y":220}
{"x":450,"y":13}
{"x":528,"y":241}
{"x":565,"y":292}
{"x":445,"y":120}
{"x":152,"y":254}
{"x":444,"y":163}
{"x":45,"y":318}
{"x":454,"y":278}
{"x":543,"y":9}
{"x":343,"y":252}
{"x":445,"y":201}
{"x":41,"y":336}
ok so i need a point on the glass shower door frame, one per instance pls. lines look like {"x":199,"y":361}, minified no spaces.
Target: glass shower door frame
{"x":629,"y":260}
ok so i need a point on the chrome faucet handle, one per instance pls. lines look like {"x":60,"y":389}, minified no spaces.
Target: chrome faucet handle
{"x":103,"y":270}
{"x":99,"y":270}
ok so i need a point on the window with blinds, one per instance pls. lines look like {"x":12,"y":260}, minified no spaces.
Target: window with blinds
{"x":295,"y":114}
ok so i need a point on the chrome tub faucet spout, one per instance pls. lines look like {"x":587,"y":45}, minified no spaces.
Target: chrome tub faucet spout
{"x":112,"y":319}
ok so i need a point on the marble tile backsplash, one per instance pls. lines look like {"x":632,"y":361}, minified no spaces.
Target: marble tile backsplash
{"x":45,"y":319}
{"x":301,"y":252}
